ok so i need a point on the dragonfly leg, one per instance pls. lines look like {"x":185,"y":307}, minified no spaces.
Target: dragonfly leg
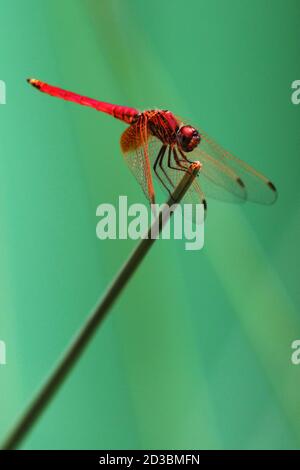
{"x":170,"y":162}
{"x":178,"y":162}
{"x":160,"y":163}
{"x":170,"y":154}
{"x":158,"y":158}
{"x":185,"y":159}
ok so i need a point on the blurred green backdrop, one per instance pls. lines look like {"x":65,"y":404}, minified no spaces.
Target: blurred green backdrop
{"x":196,"y":353}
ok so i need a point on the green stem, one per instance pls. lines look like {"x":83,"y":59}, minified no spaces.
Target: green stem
{"x":77,"y":346}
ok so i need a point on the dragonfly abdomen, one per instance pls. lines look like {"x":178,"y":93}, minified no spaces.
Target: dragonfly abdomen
{"x":123,"y":113}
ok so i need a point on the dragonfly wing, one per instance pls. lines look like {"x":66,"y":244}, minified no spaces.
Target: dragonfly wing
{"x":218,"y":180}
{"x":134,"y":145}
{"x":258,"y":187}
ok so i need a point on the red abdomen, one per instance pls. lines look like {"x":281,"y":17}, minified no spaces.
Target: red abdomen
{"x":123,"y":113}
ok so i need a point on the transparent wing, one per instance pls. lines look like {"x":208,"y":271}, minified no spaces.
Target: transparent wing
{"x":135,"y":148}
{"x":218,"y":180}
{"x":257,"y":187}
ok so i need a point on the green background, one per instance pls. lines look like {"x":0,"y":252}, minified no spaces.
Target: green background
{"x":197,"y":351}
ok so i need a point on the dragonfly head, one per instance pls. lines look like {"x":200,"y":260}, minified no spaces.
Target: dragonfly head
{"x":187,"y":138}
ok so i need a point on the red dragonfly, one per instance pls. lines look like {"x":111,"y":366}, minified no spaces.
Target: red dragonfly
{"x":160,"y":140}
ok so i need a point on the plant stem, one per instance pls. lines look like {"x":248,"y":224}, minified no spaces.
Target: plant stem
{"x":77,"y":346}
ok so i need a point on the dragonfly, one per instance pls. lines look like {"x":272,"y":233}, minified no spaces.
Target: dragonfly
{"x":158,"y":142}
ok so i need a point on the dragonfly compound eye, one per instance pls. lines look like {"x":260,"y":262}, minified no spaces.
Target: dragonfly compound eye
{"x":188,"y":138}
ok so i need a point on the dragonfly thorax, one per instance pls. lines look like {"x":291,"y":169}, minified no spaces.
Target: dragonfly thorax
{"x":187,"y":138}
{"x":163,"y":125}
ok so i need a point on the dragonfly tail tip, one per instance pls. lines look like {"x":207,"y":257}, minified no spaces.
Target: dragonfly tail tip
{"x":33,"y":82}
